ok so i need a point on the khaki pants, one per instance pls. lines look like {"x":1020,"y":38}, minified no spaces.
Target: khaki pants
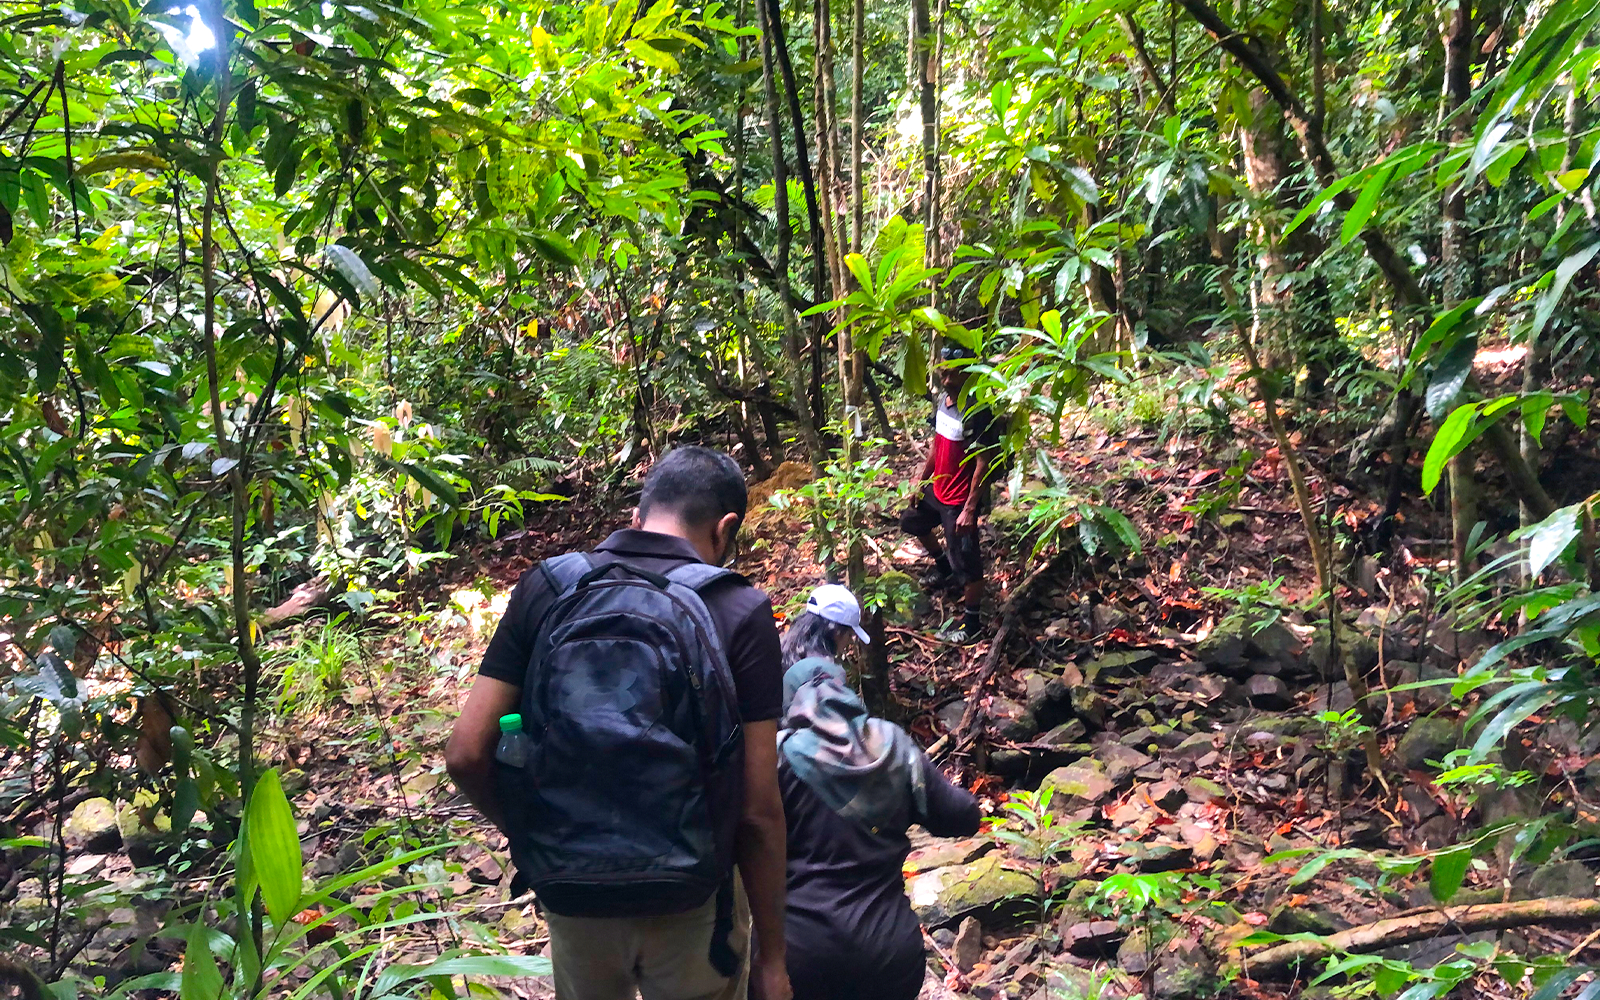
{"x":663,"y":958}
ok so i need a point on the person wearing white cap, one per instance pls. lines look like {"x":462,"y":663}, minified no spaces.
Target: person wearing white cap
{"x":831,"y":611}
{"x":852,"y":785}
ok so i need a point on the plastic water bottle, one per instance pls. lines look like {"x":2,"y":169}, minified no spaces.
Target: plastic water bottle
{"x":513,"y":748}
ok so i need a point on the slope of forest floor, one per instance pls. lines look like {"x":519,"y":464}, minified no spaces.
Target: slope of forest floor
{"x":1170,"y":704}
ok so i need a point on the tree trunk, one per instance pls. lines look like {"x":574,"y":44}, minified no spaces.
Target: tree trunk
{"x":780,"y":203}
{"x":1455,"y":258}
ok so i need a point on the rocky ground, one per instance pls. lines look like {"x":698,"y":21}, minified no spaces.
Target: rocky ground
{"x":1161,"y":773}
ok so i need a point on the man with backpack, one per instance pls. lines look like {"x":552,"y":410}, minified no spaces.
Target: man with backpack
{"x":642,"y":684}
{"x":953,"y":489}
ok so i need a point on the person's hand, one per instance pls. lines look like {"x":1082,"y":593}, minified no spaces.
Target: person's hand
{"x":769,"y":980}
{"x":967,"y":520}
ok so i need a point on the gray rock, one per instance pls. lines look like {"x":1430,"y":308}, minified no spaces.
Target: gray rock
{"x":1193,"y":746}
{"x":1120,"y":762}
{"x":1419,"y":802}
{"x":1167,"y":794}
{"x":1204,"y":790}
{"x":1120,"y":664}
{"x":1090,"y":706}
{"x":951,"y":713}
{"x":1275,"y":641}
{"x":1268,"y":693}
{"x":1436,"y":695}
{"x":92,"y":825}
{"x":1223,"y":649}
{"x":1011,"y":720}
{"x":1068,"y":982}
{"x":1427,"y":739}
{"x":1049,"y":701}
{"x":1080,"y":785}
{"x":1562,"y":878}
{"x":1071,"y":731}
{"x":984,"y":889}
{"x":967,"y":949}
{"x":940,"y":853}
{"x":1093,"y":938}
{"x":1306,"y":919}
{"x":1153,"y":858}
{"x":1438,"y":831}
{"x":1184,"y":971}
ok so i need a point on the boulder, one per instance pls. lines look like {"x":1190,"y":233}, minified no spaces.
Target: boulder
{"x":1427,"y":739}
{"x":950,"y":714}
{"x":1184,"y":971}
{"x":1093,"y":938}
{"x":1336,"y":697}
{"x":1079,"y":785}
{"x":1311,"y":919}
{"x":1562,"y":878}
{"x":1437,"y":694}
{"x":1268,"y":693}
{"x":967,"y":948}
{"x":1049,"y":700}
{"x":1167,"y":794}
{"x":1032,"y":759}
{"x":92,"y":825}
{"x":1154,"y":858}
{"x":1012,"y":721}
{"x":1275,"y":641}
{"x":1090,"y":706}
{"x":1223,"y":649}
{"x":1126,"y":663}
{"x":944,"y":853}
{"x":983,"y":889}
{"x":1119,"y":762}
{"x":1071,"y":731}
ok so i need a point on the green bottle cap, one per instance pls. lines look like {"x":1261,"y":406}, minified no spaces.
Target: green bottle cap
{"x":511,"y":723}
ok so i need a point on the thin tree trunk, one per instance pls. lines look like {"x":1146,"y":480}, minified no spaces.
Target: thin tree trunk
{"x":1455,"y":258}
{"x":858,"y":28}
{"x":780,"y":203}
{"x":773,"y":28}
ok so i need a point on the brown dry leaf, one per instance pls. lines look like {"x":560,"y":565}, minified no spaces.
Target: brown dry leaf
{"x":154,"y":749}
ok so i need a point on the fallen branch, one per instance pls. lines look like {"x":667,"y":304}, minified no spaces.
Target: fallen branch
{"x":1402,"y":930}
{"x":1009,"y":613}
{"x":306,"y":598}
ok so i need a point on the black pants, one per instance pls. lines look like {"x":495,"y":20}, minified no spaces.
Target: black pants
{"x":966,"y":556}
{"x":836,"y":977}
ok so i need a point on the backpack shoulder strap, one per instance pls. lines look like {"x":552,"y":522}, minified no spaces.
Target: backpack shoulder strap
{"x":697,"y":576}
{"x":564,"y":571}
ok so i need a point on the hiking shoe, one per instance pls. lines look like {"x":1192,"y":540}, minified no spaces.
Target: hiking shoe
{"x":959,"y":635}
{"x":935,"y":580}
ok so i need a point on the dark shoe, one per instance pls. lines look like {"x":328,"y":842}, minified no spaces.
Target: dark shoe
{"x":936,"y":580}
{"x":959,"y":635}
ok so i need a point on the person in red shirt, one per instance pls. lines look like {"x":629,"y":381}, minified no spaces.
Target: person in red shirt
{"x":952,"y":491}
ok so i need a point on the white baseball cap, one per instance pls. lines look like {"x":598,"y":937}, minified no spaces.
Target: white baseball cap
{"x":836,"y":604}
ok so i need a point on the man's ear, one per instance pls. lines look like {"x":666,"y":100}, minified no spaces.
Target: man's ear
{"x":634,"y":523}
{"x":726,"y":528}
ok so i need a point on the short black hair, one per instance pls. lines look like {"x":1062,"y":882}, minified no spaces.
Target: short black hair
{"x":698,"y":484}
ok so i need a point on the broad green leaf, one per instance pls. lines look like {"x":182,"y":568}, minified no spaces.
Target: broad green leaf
{"x":1319,"y":199}
{"x":1453,"y":436}
{"x":468,"y":965}
{"x":914,"y":363}
{"x":1449,"y":869}
{"x":201,"y":980}
{"x":433,"y":483}
{"x":1550,"y":537}
{"x":556,"y":249}
{"x":275,"y":847}
{"x":354,"y":269}
{"x":1449,"y":376}
{"x":1355,"y":220}
{"x":1551,"y":297}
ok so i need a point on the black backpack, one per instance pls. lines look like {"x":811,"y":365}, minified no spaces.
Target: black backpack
{"x":634,"y":781}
